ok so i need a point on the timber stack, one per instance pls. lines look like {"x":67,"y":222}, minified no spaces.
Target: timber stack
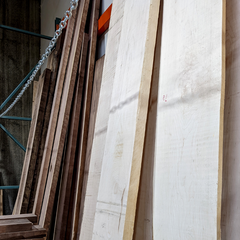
{"x":135,"y":145}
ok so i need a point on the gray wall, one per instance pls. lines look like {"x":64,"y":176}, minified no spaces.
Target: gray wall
{"x":19,"y":53}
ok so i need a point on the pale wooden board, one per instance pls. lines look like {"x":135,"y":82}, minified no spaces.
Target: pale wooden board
{"x":231,"y":165}
{"x":15,"y":225}
{"x":143,"y":229}
{"x":65,"y":191}
{"x":127,"y":120}
{"x":54,"y":117}
{"x":188,"y":157}
{"x":34,"y":137}
{"x":67,"y":95}
{"x":114,"y":34}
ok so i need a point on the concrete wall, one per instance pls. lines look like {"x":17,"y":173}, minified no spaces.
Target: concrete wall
{"x":19,"y":53}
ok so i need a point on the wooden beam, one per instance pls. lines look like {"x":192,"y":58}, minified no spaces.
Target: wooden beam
{"x":189,"y":137}
{"x":127,"y":121}
{"x":64,"y":198}
{"x":92,"y":178}
{"x":53,"y":117}
{"x":231,"y":167}
{"x":31,"y":217}
{"x":64,"y":112}
{"x":15,"y":225}
{"x":34,"y":137}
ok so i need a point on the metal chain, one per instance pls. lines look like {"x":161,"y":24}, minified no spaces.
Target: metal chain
{"x":62,"y":25}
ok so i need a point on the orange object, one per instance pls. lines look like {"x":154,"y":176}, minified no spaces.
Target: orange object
{"x":104,"y":20}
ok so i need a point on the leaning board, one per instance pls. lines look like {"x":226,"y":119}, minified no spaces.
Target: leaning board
{"x":188,"y":160}
{"x":127,"y":119}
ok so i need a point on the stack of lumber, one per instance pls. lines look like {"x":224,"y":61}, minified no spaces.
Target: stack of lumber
{"x":133,"y":145}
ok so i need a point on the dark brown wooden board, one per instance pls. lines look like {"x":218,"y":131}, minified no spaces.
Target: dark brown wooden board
{"x":34,"y":137}
{"x":63,"y":117}
{"x":15,"y":225}
{"x":31,"y":217}
{"x":64,"y":198}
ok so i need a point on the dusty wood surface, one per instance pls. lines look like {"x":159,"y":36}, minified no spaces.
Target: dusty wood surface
{"x":15,"y":225}
{"x":63,"y":117}
{"x":53,"y":117}
{"x":231,"y":165}
{"x":64,"y":198}
{"x":188,"y":158}
{"x":33,"y":141}
{"x":127,"y":118}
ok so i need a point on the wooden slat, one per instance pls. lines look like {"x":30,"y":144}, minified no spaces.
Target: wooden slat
{"x":36,"y":231}
{"x":81,"y":154}
{"x":67,"y":95}
{"x":144,"y":213}
{"x":53,"y":117}
{"x":15,"y":225}
{"x":188,"y":158}
{"x":231,"y":165}
{"x":64,"y":198}
{"x":92,"y":180}
{"x":33,"y":142}
{"x":31,"y":217}
{"x":54,"y":66}
{"x":127,"y":120}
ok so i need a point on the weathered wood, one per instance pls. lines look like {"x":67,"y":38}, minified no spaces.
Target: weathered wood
{"x":127,"y":120}
{"x":35,"y":232}
{"x":231,"y":167}
{"x":64,"y":112}
{"x":31,"y":217}
{"x":53,"y":117}
{"x":64,"y":198}
{"x":33,"y":142}
{"x":15,"y":225}
{"x":189,"y":137}
{"x":54,"y":66}
{"x":143,"y":229}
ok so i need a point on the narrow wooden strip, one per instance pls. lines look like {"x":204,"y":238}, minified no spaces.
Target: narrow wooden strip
{"x":92,"y":177}
{"x":31,"y":217}
{"x":53,"y":117}
{"x":230,"y":216}
{"x":81,"y":155}
{"x":63,"y":117}
{"x":54,"y":66}
{"x":188,"y":157}
{"x":36,"y":231}
{"x":144,"y":213}
{"x":64,"y":198}
{"x":33,"y":140}
{"x":15,"y":225}
{"x":127,"y":119}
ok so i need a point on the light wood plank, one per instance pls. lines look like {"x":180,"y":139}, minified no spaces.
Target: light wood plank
{"x":64,"y":198}
{"x":53,"y":117}
{"x":34,"y":137}
{"x":47,"y":205}
{"x":231,"y":165}
{"x":143,"y":229}
{"x":188,"y":157}
{"x":127,"y":120}
{"x":96,"y":156}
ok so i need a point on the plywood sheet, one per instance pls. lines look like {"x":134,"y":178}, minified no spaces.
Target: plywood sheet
{"x":127,"y":121}
{"x":188,"y":159}
{"x":231,"y":164}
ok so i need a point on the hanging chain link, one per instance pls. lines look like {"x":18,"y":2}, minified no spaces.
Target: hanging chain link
{"x":62,"y":25}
